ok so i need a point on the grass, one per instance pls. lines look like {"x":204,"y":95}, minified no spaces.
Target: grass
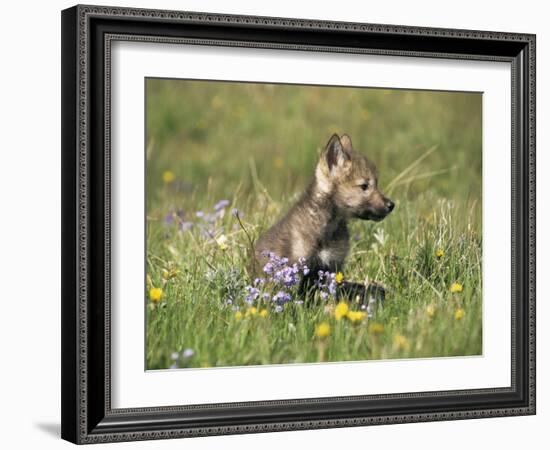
{"x":256,"y":146}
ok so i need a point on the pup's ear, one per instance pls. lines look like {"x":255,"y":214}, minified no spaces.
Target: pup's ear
{"x":345,"y":140}
{"x":335,"y":153}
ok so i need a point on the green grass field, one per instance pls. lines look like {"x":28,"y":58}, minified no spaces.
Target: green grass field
{"x":256,"y":146}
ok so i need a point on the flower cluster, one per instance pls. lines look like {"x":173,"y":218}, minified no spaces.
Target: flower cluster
{"x":280,"y":272}
{"x":281,"y":279}
{"x":217,"y":213}
{"x":278,"y":286}
{"x":206,"y":222}
{"x":342,"y":311}
{"x":181,"y":359}
{"x":326,"y":282}
{"x":178,"y":218}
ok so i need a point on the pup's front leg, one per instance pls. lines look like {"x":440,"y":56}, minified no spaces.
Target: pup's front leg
{"x":349,"y":290}
{"x":308,"y":284}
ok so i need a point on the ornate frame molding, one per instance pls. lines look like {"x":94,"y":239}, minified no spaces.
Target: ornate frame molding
{"x":87,"y":421}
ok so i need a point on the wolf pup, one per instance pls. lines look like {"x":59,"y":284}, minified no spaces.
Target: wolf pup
{"x":345,"y":186}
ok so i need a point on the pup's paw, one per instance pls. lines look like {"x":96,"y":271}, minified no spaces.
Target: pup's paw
{"x":362,"y":294}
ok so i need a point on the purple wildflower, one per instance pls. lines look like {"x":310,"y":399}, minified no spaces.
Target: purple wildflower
{"x":174,"y":217}
{"x":332,"y":287}
{"x":188,"y":353}
{"x":207,"y":232}
{"x":280,"y":277}
{"x":221,"y":205}
{"x":303,"y":266}
{"x":279,"y":308}
{"x":281,"y":297}
{"x":268,"y":268}
{"x":281,"y":273}
{"x":210,"y":218}
{"x":169,"y":218}
{"x":326,"y":283}
{"x":252,"y":294}
{"x":186,"y":226}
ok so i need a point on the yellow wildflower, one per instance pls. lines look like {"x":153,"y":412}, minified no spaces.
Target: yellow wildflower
{"x":216,"y":102}
{"x":155,"y":294}
{"x":339,"y":277}
{"x":430,"y":311}
{"x":168,"y":274}
{"x":455,"y":288}
{"x":278,"y":162}
{"x":238,"y":315}
{"x":263,"y":313}
{"x":356,"y":316}
{"x":341,"y":310}
{"x":459,"y":314}
{"x":376,"y":328}
{"x":439,"y":253}
{"x":251,"y":311}
{"x":322,"y":330}
{"x":400,"y":342}
{"x":168,"y":176}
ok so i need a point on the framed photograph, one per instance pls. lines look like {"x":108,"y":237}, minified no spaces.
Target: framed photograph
{"x":279,"y":224}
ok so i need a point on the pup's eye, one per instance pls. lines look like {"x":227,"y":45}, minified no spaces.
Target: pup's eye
{"x":364,"y":186}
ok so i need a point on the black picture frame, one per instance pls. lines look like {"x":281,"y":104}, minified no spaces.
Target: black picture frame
{"x":87,"y":32}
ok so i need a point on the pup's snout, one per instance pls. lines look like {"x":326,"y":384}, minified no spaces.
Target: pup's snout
{"x":389,"y":205}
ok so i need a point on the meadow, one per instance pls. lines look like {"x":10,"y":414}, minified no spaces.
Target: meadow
{"x":226,"y":160}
